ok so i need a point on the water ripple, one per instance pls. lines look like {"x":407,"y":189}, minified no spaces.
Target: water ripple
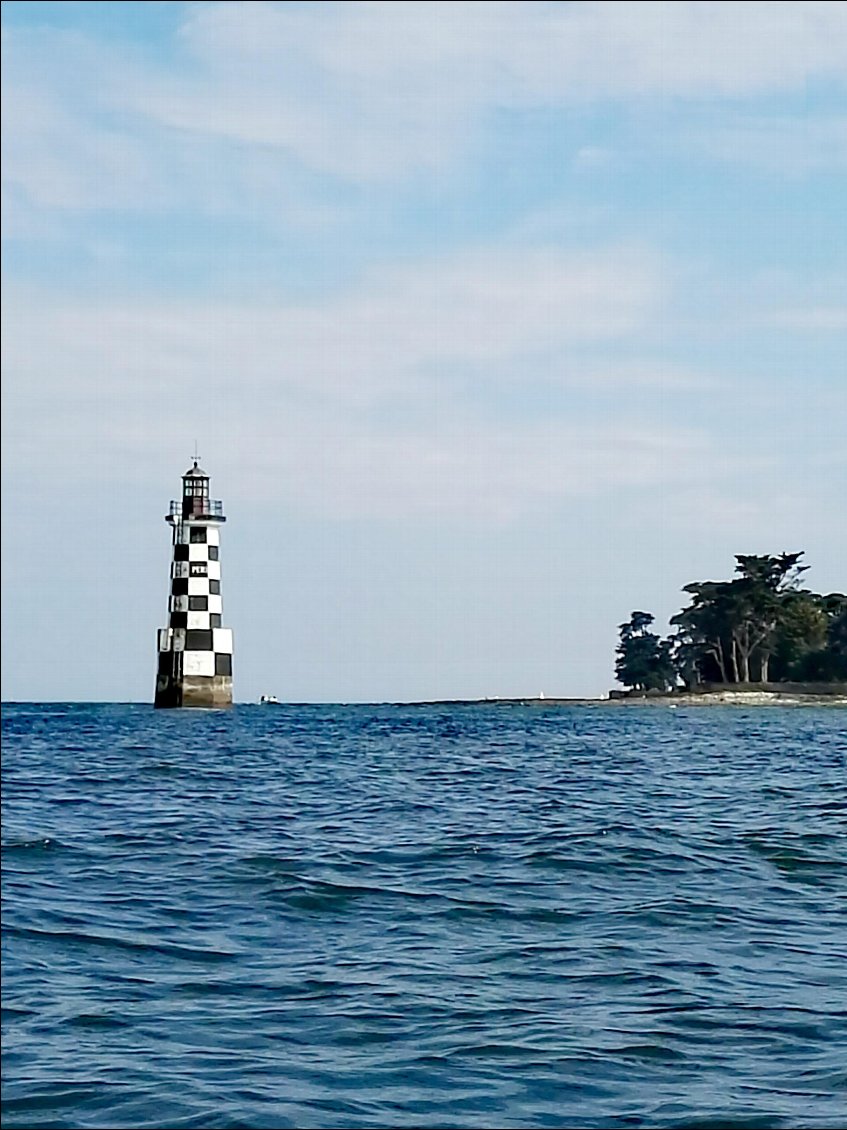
{"x":431,"y":917}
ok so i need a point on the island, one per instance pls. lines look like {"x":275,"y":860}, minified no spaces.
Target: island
{"x":756,"y":639}
{"x":759,"y":639}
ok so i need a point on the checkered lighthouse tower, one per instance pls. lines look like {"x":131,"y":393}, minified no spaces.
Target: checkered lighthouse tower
{"x":195,"y":652}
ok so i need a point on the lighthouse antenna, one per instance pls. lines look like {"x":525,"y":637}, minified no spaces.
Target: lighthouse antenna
{"x":196,"y":456}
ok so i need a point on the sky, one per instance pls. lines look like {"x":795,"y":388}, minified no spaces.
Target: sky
{"x":493,"y":322}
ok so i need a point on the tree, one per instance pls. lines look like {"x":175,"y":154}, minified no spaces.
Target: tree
{"x":644,"y":660}
{"x":760,"y":626}
{"x":729,"y":630}
{"x":703,"y":640}
{"x":760,"y":597}
{"x":836,"y":647}
{"x":800,"y":639}
{"x":827,"y":662}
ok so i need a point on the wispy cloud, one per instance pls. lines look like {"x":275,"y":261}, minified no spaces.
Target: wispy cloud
{"x":792,"y":146}
{"x":380,"y":90}
{"x":814,"y":319}
{"x":371,"y":93}
{"x":359,"y":406}
{"x":389,"y":333}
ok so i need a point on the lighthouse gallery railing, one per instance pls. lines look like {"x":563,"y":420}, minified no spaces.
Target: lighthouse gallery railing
{"x":206,"y":508}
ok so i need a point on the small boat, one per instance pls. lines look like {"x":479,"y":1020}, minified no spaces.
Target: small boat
{"x":268,"y":700}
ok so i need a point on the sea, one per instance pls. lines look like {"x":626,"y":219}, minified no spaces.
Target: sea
{"x":424,"y":916}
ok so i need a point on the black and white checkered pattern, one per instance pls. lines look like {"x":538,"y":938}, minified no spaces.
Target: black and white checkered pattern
{"x":195,"y":604}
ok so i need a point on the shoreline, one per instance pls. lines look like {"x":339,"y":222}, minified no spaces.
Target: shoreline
{"x":705,"y":698}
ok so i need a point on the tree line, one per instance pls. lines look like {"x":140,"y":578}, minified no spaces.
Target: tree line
{"x":760,"y":627}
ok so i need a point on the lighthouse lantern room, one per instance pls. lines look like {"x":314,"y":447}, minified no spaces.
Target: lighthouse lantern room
{"x":195,"y":650}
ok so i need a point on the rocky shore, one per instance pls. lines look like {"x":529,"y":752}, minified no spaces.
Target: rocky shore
{"x":748,"y":694}
{"x":733,"y":698}
{"x":789,"y":694}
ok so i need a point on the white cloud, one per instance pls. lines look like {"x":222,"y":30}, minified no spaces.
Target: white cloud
{"x":531,"y":51}
{"x":813,"y":318}
{"x":371,"y":92}
{"x":58,"y":151}
{"x":593,"y":157}
{"x":359,"y":408}
{"x":794,"y":146}
{"x":490,"y":473}
{"x":383,"y":339}
{"x":360,"y":405}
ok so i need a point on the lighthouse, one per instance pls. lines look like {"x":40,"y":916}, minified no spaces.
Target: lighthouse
{"x":195,"y":651}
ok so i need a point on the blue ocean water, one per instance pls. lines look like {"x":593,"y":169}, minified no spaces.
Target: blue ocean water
{"x":393,"y":916}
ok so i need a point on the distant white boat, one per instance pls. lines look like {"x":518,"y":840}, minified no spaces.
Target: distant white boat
{"x":268,"y":700}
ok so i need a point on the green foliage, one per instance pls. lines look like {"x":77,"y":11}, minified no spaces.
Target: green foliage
{"x":644,"y":661}
{"x":702,"y":644}
{"x":802,"y":634}
{"x":761,"y":595}
{"x":758,"y":627}
{"x":828,"y":662}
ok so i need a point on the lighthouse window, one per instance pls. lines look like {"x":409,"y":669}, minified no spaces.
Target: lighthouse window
{"x":198,"y":639}
{"x":214,"y":587}
{"x":223,"y":663}
{"x":198,"y":604}
{"x":213,"y":553}
{"x":214,"y":619}
{"x":197,"y":534}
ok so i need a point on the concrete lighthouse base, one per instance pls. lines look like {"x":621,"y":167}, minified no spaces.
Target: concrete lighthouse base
{"x":203,"y":691}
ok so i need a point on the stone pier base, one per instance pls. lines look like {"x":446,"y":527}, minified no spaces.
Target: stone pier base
{"x":203,"y":691}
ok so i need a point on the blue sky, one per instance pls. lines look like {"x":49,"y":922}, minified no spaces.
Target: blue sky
{"x":493,"y":322}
